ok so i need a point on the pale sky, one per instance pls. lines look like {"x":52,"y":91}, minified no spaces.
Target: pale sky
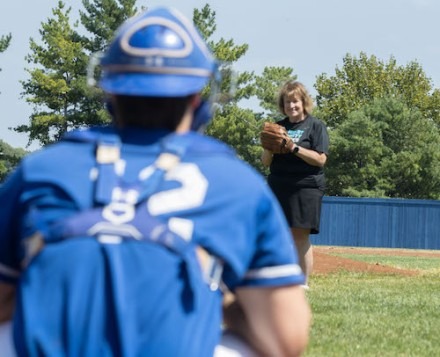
{"x":311,"y":36}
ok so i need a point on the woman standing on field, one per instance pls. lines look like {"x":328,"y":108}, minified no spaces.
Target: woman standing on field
{"x":297,"y":178}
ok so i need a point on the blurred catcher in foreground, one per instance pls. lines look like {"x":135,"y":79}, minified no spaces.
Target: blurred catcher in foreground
{"x":116,"y":241}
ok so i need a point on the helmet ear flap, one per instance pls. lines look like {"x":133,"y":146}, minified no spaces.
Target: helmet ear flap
{"x":202,"y":116}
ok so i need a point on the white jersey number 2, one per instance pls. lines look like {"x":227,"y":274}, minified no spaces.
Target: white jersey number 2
{"x":191,"y":194}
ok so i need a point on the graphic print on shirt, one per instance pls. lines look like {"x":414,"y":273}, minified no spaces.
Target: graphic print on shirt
{"x":295,"y":135}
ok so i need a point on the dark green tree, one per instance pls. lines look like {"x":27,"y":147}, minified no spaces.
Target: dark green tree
{"x":385,"y":149}
{"x":362,"y":79}
{"x":102,"y":18}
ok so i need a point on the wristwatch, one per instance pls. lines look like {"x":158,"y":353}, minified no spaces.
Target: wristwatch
{"x":295,"y":149}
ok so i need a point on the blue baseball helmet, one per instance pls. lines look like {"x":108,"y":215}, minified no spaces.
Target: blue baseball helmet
{"x":158,"y":53}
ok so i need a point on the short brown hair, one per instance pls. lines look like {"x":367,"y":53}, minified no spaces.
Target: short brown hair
{"x":298,"y":90}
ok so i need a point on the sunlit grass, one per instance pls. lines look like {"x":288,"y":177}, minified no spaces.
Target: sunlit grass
{"x":360,"y":314}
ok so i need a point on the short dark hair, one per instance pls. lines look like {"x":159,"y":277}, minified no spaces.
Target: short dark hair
{"x":150,"y":112}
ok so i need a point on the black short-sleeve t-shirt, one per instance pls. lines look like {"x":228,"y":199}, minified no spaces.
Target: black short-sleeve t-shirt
{"x":311,"y":133}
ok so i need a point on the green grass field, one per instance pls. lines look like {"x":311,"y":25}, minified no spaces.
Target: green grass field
{"x":363,"y":314}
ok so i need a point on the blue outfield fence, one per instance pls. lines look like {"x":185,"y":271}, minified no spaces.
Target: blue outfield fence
{"x":381,"y":223}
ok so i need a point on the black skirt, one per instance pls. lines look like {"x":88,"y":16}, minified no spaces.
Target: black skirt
{"x":301,"y":205}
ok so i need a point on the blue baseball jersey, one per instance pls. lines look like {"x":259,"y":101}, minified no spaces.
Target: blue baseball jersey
{"x":88,"y":293}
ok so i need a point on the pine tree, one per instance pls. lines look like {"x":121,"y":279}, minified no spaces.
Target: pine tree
{"x":57,"y":87}
{"x":5,"y":42}
{"x":102,"y":18}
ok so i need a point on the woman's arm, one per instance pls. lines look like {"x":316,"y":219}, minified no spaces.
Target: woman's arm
{"x":311,"y":156}
{"x":266,"y":157}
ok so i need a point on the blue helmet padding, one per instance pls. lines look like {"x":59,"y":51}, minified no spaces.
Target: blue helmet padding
{"x":157,"y":53}
{"x":152,"y":85}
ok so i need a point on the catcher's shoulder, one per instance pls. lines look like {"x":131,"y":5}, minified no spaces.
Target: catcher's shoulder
{"x":208,"y":144}
{"x":225,"y":157}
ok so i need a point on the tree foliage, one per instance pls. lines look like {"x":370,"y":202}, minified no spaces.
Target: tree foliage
{"x":101,"y":19}
{"x":231,"y":124}
{"x":362,"y":79}
{"x":9,"y":158}
{"x":267,"y":87}
{"x":57,"y":87}
{"x":385,"y":149}
{"x":383,"y":118}
{"x":4,"y":43}
{"x":383,"y":121}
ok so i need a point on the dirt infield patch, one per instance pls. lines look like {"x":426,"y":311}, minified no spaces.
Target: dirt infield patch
{"x":326,"y":262}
